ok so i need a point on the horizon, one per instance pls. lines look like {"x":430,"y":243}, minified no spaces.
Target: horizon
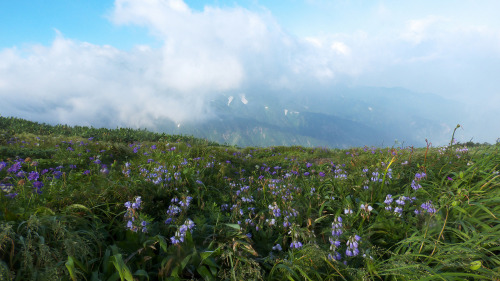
{"x":129,"y":63}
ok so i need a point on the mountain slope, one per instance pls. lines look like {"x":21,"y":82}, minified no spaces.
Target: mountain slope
{"x":335,"y":117}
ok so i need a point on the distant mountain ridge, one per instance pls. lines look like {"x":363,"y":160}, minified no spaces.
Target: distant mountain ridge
{"x":339,"y":117}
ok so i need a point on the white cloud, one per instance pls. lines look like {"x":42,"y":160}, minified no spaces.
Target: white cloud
{"x":203,"y":54}
{"x":421,"y":29}
{"x":80,"y":83}
{"x":340,"y":48}
{"x":230,"y":50}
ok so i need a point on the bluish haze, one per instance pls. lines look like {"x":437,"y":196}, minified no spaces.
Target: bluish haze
{"x":130,"y":63}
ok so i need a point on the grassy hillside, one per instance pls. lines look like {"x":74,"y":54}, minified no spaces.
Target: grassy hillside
{"x":82,"y":203}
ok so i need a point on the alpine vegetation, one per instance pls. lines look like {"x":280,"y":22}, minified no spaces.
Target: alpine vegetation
{"x":82,"y":203}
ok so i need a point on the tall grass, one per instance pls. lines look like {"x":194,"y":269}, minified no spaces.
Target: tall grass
{"x":90,"y":204}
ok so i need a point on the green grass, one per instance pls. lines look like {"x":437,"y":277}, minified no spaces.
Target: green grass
{"x":65,"y":216}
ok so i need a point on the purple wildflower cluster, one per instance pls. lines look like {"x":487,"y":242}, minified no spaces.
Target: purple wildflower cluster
{"x":275,"y":210}
{"x":7,"y":188}
{"x":337,"y":230}
{"x":461,"y":150}
{"x":18,"y":174}
{"x":428,"y":207}
{"x":153,"y":172}
{"x":180,"y":234}
{"x":177,"y":207}
{"x":375,"y":177}
{"x":295,"y":244}
{"x":352,"y":246}
{"x":399,"y":205}
{"x":415,"y":184}
{"x":277,"y":247}
{"x":134,"y":223}
{"x":339,"y":172}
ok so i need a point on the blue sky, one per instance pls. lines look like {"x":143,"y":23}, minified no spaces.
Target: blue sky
{"x":123,"y":61}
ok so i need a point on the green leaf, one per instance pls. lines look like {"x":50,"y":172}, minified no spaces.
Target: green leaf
{"x":163,"y":243}
{"x":121,"y":267}
{"x":206,"y":254}
{"x":70,"y":265}
{"x":205,"y":273}
{"x":185,"y":261}
{"x":234,"y":225}
{"x":141,"y":272}
{"x":475,"y":265}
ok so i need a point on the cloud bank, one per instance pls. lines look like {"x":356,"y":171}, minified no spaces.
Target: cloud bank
{"x":203,"y":54}
{"x":230,"y":50}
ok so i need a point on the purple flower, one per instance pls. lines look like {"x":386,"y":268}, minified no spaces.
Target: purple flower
{"x":420,"y":176}
{"x":14,"y":168}
{"x":104,"y":170}
{"x":11,"y":195}
{"x":6,"y":187}
{"x":388,"y":199}
{"x":428,"y":207}
{"x":334,"y":243}
{"x":57,"y":174}
{"x":337,"y":227}
{"x":334,"y":256}
{"x":415,"y":185}
{"x":401,"y":200}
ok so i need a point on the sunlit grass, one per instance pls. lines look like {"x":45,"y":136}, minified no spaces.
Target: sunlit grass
{"x":91,"y":204}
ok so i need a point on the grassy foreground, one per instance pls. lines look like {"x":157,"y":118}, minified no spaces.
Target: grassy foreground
{"x":82,"y":203}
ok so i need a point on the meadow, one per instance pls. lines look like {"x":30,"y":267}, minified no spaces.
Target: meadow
{"x":80,"y":203}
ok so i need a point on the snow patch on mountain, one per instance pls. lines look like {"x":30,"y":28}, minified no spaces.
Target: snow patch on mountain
{"x":243,"y":99}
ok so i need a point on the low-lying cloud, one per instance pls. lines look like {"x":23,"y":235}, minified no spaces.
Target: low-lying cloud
{"x":224,"y":51}
{"x":203,"y":54}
